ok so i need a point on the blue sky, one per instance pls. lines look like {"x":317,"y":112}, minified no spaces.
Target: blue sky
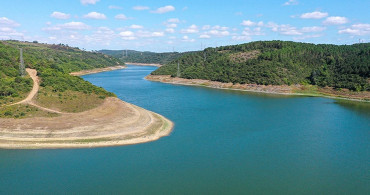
{"x":183,"y":25}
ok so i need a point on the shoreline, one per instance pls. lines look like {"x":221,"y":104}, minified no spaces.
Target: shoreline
{"x":114,"y":123}
{"x":97,"y":70}
{"x":143,"y":64}
{"x":266,"y":89}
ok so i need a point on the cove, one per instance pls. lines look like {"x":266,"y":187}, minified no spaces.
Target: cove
{"x":224,"y":142}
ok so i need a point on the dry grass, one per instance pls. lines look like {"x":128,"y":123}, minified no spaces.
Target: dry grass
{"x":68,"y":101}
{"x":24,"y":111}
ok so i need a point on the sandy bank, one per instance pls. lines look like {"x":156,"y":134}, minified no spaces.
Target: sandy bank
{"x":271,"y":89}
{"x":97,"y":70}
{"x":113,"y":123}
{"x":143,"y":64}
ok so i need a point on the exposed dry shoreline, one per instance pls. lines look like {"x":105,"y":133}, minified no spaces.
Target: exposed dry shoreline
{"x":113,"y":123}
{"x":270,"y":89}
{"x":143,"y":64}
{"x":97,"y":70}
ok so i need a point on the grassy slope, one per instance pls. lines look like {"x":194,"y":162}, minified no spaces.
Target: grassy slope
{"x":277,"y":63}
{"x":53,"y":63}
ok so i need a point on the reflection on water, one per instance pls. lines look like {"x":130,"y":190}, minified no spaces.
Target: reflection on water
{"x":360,"y":107}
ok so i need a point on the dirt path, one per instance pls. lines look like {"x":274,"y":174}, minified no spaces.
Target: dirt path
{"x":35,"y":88}
{"x":34,"y":91}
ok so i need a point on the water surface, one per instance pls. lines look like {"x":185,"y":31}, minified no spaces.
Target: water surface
{"x":224,"y":142}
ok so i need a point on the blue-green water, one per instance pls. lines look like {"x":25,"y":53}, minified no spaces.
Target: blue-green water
{"x":224,"y":142}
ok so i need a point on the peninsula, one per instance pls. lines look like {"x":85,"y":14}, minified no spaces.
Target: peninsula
{"x":51,"y":108}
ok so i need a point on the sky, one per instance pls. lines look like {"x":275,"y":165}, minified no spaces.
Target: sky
{"x":187,"y":25}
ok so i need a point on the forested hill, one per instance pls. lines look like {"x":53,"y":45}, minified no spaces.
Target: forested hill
{"x":53,"y":63}
{"x":143,"y":57}
{"x":277,"y":63}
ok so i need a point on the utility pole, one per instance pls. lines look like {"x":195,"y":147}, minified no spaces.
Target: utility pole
{"x":22,"y":70}
{"x":204,"y":53}
{"x":178,"y":69}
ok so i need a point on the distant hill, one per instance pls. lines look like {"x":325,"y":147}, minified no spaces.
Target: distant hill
{"x":143,"y":57}
{"x":277,"y":63}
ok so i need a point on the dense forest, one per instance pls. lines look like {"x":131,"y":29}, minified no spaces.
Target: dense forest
{"x":143,"y":57}
{"x":53,"y":63}
{"x":277,"y":63}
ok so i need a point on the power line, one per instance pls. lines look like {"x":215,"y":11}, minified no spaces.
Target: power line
{"x":178,"y":69}
{"x":22,"y":68}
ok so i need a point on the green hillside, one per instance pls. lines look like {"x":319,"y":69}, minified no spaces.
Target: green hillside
{"x":143,"y":57}
{"x":53,"y":63}
{"x":277,"y":63}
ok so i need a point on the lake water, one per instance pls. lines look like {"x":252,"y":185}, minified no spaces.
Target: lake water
{"x":224,"y":142}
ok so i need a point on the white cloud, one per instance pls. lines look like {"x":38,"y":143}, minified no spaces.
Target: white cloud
{"x":165,"y":9}
{"x":173,"y":20}
{"x":217,"y":27}
{"x":121,"y":17}
{"x":204,"y":36}
{"x":357,"y":29}
{"x":314,"y":15}
{"x":251,"y":23}
{"x":171,"y":25}
{"x":157,"y":34}
{"x":241,"y":38}
{"x":335,"y":20}
{"x":307,"y":37}
{"x":291,"y":2}
{"x":253,"y":32}
{"x":187,"y":39}
{"x":248,"y":23}
{"x":103,"y":36}
{"x":135,"y":26}
{"x":312,"y":29}
{"x":127,"y":35}
{"x":140,"y":8}
{"x":218,"y":33}
{"x":68,"y":26}
{"x":75,"y":26}
{"x":95,"y":15}
{"x":60,"y":15}
{"x":114,"y":7}
{"x":170,"y":30}
{"x":286,"y":29}
{"x":7,"y":30}
{"x":274,"y":27}
{"x":86,"y":2}
{"x":191,"y":29}
{"x":7,"y":22}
